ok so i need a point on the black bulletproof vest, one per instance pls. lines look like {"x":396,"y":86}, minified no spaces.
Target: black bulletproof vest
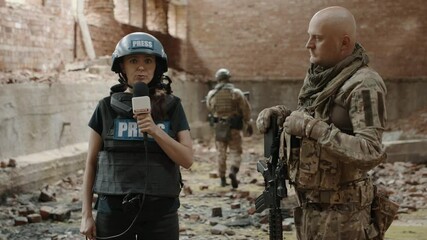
{"x":122,"y":167}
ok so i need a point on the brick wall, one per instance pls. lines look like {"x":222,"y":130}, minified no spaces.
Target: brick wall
{"x":106,"y":31}
{"x":35,"y":36}
{"x":254,"y":39}
{"x":265,"y":39}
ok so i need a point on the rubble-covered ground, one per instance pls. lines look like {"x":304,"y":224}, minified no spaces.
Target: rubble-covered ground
{"x":202,"y":196}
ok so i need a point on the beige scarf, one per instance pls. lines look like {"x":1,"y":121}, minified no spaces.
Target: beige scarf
{"x":320,"y":85}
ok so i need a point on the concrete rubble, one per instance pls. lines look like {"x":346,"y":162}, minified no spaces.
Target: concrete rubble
{"x":207,"y":210}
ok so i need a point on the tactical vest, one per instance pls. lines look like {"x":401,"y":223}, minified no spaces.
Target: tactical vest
{"x":225,"y":106}
{"x":122,"y":164}
{"x":310,"y":168}
{"x":319,"y":178}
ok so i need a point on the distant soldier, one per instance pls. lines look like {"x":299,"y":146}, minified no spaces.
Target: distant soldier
{"x":231,"y":112}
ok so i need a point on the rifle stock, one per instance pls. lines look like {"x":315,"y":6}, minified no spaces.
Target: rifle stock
{"x":274,"y":173}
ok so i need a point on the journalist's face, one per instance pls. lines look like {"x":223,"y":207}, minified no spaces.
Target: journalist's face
{"x":139,"y":68}
{"x":323,"y":43}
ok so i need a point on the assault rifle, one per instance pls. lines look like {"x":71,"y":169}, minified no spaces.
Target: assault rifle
{"x":274,"y":172}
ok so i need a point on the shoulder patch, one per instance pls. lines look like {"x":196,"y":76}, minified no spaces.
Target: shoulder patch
{"x":366,"y":98}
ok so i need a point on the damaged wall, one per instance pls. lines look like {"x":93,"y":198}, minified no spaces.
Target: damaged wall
{"x":42,"y":41}
{"x":40,"y":116}
{"x":221,"y":33}
{"x":52,"y":113}
{"x":50,"y":37}
{"x":43,"y":116}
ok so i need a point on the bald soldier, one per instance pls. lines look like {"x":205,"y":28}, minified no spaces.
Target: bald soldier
{"x":339,"y":122}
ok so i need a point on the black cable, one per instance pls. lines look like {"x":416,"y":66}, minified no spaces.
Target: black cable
{"x":141,"y":203}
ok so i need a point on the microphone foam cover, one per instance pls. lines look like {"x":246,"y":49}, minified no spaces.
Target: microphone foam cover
{"x":140,"y":89}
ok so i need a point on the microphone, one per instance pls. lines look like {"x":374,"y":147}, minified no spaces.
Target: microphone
{"x":141,"y":101}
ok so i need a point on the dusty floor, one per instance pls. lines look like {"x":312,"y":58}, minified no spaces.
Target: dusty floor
{"x":202,"y":194}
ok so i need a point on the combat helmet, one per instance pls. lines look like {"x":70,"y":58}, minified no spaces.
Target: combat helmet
{"x":222,"y":75}
{"x":140,"y":42}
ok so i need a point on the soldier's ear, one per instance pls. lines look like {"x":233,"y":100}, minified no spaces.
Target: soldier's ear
{"x":346,"y":44}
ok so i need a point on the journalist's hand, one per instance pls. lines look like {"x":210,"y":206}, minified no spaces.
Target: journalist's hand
{"x":263,"y":120}
{"x":146,"y":123}
{"x":87,"y":227}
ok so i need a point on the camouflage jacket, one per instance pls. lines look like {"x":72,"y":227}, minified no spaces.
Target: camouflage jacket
{"x":351,"y":144}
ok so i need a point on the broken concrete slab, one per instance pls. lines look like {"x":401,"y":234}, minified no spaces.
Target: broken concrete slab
{"x":407,"y":151}
{"x":35,"y":170}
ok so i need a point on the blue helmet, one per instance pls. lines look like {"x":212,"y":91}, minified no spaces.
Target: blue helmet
{"x":140,"y":42}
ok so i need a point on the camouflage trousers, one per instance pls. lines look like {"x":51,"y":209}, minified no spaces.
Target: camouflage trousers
{"x":235,"y":152}
{"x":332,"y":222}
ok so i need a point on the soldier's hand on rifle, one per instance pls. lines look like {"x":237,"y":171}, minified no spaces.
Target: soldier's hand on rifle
{"x":263,"y":120}
{"x":303,"y":125}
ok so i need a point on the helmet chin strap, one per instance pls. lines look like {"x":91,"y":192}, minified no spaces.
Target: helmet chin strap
{"x":123,"y":80}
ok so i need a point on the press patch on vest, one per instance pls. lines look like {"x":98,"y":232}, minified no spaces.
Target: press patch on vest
{"x":135,"y":44}
{"x":367,"y":107}
{"x":127,"y":129}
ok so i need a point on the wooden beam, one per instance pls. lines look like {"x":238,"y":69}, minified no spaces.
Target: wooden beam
{"x":87,"y":40}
